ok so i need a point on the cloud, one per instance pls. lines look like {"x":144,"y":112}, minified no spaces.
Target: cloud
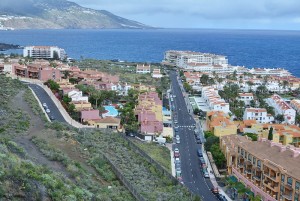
{"x":261,"y":11}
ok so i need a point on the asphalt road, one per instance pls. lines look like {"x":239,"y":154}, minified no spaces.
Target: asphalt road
{"x":45,"y":98}
{"x":190,"y":164}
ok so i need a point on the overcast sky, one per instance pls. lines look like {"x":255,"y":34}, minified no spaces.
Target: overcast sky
{"x":240,"y":14}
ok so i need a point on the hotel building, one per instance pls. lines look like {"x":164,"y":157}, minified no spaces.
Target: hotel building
{"x":44,"y":52}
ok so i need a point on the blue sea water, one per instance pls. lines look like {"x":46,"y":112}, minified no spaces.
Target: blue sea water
{"x":250,"y":48}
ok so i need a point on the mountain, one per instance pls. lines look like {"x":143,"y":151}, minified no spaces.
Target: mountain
{"x":58,"y":14}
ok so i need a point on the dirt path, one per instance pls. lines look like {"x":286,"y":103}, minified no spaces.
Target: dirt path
{"x":70,"y":148}
{"x":36,"y":127}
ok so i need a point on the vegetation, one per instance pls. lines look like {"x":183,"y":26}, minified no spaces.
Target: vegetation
{"x":212,"y":145}
{"x":160,"y":154}
{"x":252,"y":136}
{"x":13,"y":120}
{"x":21,"y":179}
{"x":270,"y":135}
{"x":187,"y":87}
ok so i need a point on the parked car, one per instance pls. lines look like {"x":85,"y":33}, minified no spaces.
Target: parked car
{"x":221,"y":197}
{"x":180,"y":180}
{"x":199,"y":152}
{"x":177,"y":141}
{"x":176,"y":153}
{"x":202,"y":161}
{"x":52,"y":118}
{"x":177,"y":161}
{"x":215,"y":190}
{"x":48,"y":110}
{"x":44,"y":105}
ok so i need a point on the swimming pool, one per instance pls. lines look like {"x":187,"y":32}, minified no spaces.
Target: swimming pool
{"x":112,"y":111}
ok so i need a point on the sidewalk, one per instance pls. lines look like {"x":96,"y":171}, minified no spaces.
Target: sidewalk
{"x":170,"y":147}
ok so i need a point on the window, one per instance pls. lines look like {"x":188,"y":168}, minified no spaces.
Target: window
{"x":254,"y":160}
{"x":242,"y":152}
{"x":282,"y":178}
{"x":290,"y":181}
{"x":239,"y":149}
{"x":249,"y":157}
{"x":258,"y":163}
{"x":297,"y":186}
{"x":296,"y":197}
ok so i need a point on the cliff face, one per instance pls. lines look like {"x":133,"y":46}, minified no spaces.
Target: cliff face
{"x":58,"y":14}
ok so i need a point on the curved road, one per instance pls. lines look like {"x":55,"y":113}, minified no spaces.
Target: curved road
{"x":190,"y":164}
{"x":45,"y":98}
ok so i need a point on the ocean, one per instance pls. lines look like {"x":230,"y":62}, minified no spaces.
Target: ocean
{"x":250,"y":48}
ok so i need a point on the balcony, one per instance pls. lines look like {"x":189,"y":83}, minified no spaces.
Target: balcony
{"x":240,"y":165}
{"x":287,"y":196}
{"x":248,"y":171}
{"x":257,"y":178}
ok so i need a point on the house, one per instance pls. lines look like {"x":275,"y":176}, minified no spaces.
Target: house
{"x":258,"y":114}
{"x":220,"y":124}
{"x":143,"y":69}
{"x":106,"y":123}
{"x":246,"y":98}
{"x":295,"y":105}
{"x":283,"y":108}
{"x":82,"y":105}
{"x":156,"y":73}
{"x":77,"y":96}
{"x":89,"y":115}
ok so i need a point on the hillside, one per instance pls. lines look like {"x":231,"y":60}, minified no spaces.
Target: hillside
{"x":58,"y":14}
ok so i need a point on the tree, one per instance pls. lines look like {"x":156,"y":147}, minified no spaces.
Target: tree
{"x":218,"y":156}
{"x":66,"y":99}
{"x":211,"y":81}
{"x":55,"y":55}
{"x":252,"y":103}
{"x":204,"y":79}
{"x":279,"y":118}
{"x":181,"y":73}
{"x":187,"y":87}
{"x":261,"y":90}
{"x":270,"y":136}
{"x":53,"y":85}
{"x":196,"y":111}
{"x":285,"y":83}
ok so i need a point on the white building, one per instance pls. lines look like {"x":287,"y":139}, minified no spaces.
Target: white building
{"x":246,"y":97}
{"x":143,"y":69}
{"x":270,"y":71}
{"x":44,"y":52}
{"x":181,"y":58}
{"x":156,"y":73}
{"x":214,"y":101}
{"x":281,"y":107}
{"x":77,"y":96}
{"x":258,"y":114}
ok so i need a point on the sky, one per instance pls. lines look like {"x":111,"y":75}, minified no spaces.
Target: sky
{"x":228,"y":14}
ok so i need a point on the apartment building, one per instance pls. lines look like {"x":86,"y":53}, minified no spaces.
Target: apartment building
{"x":143,"y":69}
{"x":269,"y":169}
{"x":295,"y":104}
{"x":219,"y":124}
{"x":213,"y":100}
{"x":76,"y":96}
{"x":44,"y":52}
{"x":258,"y":114}
{"x":149,"y":115}
{"x":246,"y":98}
{"x":283,"y":108}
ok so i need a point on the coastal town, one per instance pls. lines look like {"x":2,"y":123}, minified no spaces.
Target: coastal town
{"x":243,"y":123}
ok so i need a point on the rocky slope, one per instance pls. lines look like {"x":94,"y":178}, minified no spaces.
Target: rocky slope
{"x":58,"y":14}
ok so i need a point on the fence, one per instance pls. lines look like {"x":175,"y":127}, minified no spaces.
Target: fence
{"x":133,"y":191}
{"x":150,"y":160}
